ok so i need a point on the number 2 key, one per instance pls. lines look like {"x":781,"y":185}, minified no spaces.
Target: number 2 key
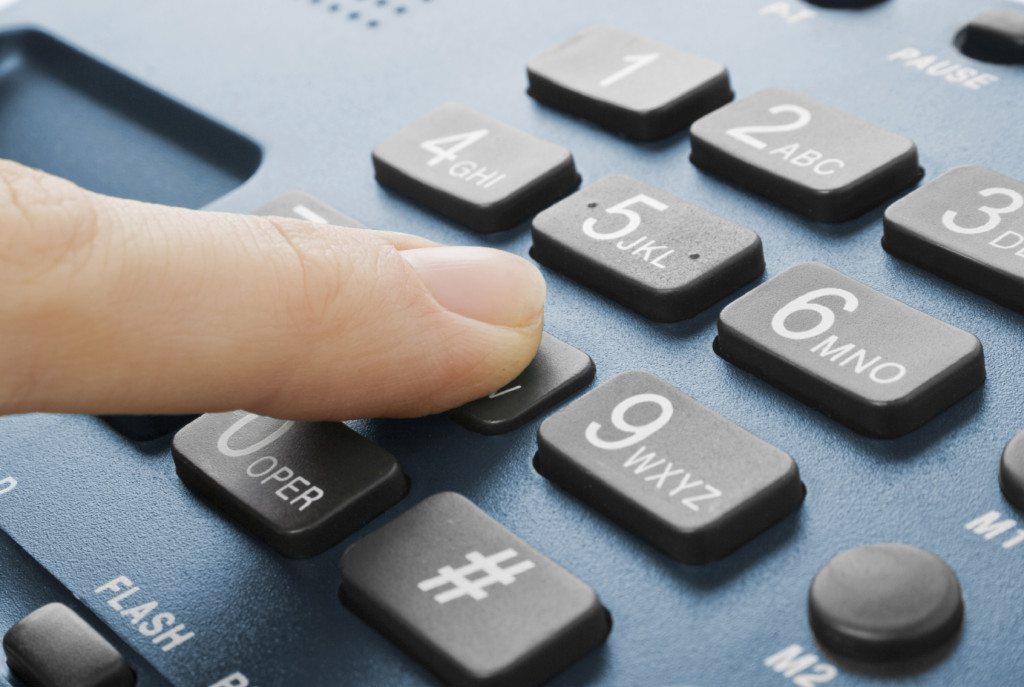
{"x":820,"y":161}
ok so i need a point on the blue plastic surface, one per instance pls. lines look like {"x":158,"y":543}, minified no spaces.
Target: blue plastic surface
{"x":70,"y":115}
{"x":316,"y":88}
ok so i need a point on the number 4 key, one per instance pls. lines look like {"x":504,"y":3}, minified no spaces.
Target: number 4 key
{"x":478,"y":171}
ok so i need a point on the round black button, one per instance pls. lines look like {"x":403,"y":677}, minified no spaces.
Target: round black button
{"x":1011,"y":471}
{"x":844,"y":3}
{"x":885,"y":602}
{"x":994,"y":36}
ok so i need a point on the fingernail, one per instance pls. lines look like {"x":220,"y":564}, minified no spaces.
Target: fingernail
{"x":485,"y":284}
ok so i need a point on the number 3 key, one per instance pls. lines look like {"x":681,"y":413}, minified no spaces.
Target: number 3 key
{"x":823,"y":162}
{"x":862,"y":358}
{"x":968,"y":227}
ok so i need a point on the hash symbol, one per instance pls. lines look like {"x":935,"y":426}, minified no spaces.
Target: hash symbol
{"x":460,"y":580}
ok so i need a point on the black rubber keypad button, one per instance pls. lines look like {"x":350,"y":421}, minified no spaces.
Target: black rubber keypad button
{"x":299,"y":205}
{"x":994,"y":36}
{"x":667,"y":468}
{"x":474,"y":169}
{"x":556,"y":372}
{"x":845,"y":4}
{"x":469,"y":599}
{"x":299,"y":486}
{"x":968,"y":227}
{"x":645,"y":248}
{"x":146,"y":427}
{"x":813,"y":158}
{"x":885,"y":602}
{"x":1011,"y":471}
{"x":54,"y":647}
{"x":877,"y":365}
{"x":628,"y":83}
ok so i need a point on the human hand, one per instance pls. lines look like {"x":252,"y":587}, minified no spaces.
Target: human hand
{"x":115,"y":306}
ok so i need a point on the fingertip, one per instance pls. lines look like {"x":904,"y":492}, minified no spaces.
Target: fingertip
{"x":484,"y":284}
{"x":154,"y":309}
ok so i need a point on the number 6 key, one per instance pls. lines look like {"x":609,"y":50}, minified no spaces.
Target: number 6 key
{"x":862,"y":358}
{"x":815,"y":159}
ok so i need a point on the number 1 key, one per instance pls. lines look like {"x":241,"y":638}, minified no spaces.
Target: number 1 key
{"x":628,"y":83}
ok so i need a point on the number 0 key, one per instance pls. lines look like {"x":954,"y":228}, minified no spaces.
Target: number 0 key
{"x":862,"y":358}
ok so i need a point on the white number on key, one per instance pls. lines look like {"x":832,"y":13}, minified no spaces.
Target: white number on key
{"x":994,"y":218}
{"x":742,"y":133}
{"x":828,"y":317}
{"x":635,"y":62}
{"x":222,"y":443}
{"x":632,"y":217}
{"x":637,"y":433}
{"x":459,"y":141}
